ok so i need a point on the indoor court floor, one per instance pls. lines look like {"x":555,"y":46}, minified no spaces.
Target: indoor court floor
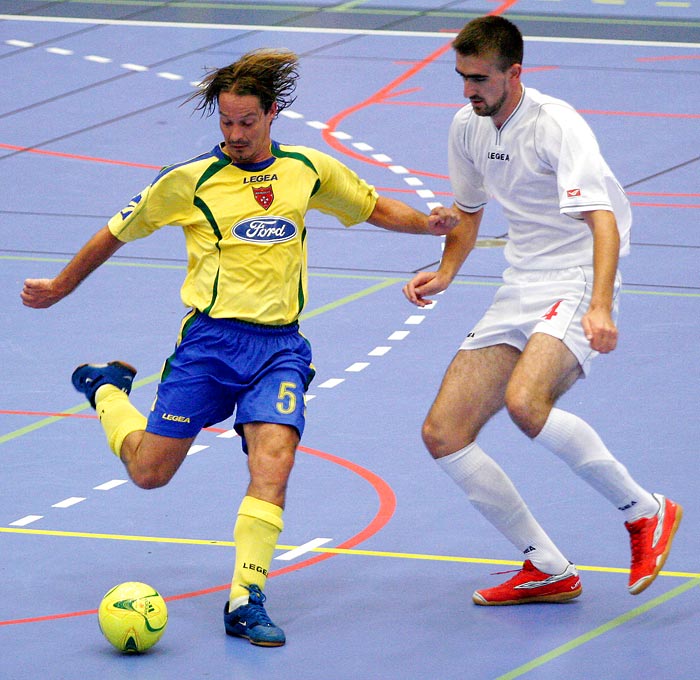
{"x":380,"y":552}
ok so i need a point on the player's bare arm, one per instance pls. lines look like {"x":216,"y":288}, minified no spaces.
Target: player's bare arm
{"x":394,"y":215}
{"x":458,"y":244}
{"x":42,"y":293}
{"x":597,"y":323}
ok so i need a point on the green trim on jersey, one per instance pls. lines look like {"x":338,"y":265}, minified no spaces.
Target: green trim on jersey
{"x":244,"y":226}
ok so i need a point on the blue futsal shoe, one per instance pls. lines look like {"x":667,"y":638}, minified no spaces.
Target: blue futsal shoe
{"x":251,"y":621}
{"x":88,"y":378}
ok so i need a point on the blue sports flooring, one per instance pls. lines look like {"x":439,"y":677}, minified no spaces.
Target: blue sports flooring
{"x":390,"y":551}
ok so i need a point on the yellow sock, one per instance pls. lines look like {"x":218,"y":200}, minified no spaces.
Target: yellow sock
{"x":117,"y":416}
{"x":257,"y":529}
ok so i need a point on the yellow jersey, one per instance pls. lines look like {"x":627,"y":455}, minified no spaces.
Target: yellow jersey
{"x":244,"y":226}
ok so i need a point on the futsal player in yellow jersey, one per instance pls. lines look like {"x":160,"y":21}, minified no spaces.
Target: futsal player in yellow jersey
{"x":242,"y":208}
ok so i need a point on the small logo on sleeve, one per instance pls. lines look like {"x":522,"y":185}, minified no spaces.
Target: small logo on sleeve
{"x":572,"y":193}
{"x":131,"y":207}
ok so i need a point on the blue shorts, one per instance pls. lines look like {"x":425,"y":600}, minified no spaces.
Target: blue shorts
{"x":223,"y":365}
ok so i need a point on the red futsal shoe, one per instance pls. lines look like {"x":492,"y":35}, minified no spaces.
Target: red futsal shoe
{"x":650,"y":541}
{"x":532,"y":585}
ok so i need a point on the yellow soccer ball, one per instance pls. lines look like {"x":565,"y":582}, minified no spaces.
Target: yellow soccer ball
{"x":133,"y":616}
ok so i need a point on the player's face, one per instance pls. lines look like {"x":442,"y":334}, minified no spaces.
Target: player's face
{"x":246,"y":127}
{"x":492,"y":92}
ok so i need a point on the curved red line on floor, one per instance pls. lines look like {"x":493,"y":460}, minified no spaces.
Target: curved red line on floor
{"x":387,"y":505}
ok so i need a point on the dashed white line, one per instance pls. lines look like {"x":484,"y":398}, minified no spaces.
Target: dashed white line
{"x":331,"y":382}
{"x":111,"y":484}
{"x":169,"y":76}
{"x":69,"y":502}
{"x":135,"y":67}
{"x":196,"y":448}
{"x":303,"y":549}
{"x":26,"y":520}
{"x":357,"y":367}
{"x":291,"y":114}
{"x":97,"y":59}
{"x":229,"y":434}
{"x":379,"y":351}
{"x":19,"y":43}
{"x":60,"y":51}
{"x":413,"y":181}
{"x":414,"y":320}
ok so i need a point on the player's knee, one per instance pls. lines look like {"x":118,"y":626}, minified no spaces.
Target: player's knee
{"x":526,"y":410}
{"x":149,"y":479}
{"x":436,"y":438}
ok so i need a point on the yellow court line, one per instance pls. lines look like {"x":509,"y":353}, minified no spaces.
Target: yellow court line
{"x":332,"y":551}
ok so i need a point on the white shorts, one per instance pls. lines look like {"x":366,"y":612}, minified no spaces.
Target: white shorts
{"x":550,"y":301}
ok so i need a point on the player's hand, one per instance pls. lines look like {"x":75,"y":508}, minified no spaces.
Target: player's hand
{"x":422,"y":285}
{"x":40,"y":293}
{"x":442,"y":220}
{"x":600,"y":330}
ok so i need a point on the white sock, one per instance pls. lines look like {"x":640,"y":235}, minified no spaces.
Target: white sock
{"x":580,"y":447}
{"x":493,"y":494}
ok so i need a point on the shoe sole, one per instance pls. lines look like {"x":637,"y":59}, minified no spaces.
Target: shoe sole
{"x":554,"y":597}
{"x":260,"y":643}
{"x":641,"y":585}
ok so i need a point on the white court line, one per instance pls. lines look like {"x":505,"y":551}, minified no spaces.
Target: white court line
{"x":303,"y":549}
{"x":169,"y":76}
{"x":68,"y":502}
{"x":108,"y":486}
{"x":332,"y":382}
{"x":26,"y":520}
{"x":414,"y":320}
{"x":229,"y":434}
{"x":331,"y":31}
{"x":357,"y":367}
{"x":379,"y":351}
{"x":135,"y":67}
{"x":196,"y":448}
{"x":399,"y":335}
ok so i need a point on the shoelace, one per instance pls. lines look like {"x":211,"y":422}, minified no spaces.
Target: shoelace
{"x":257,"y":616}
{"x":638,"y":537}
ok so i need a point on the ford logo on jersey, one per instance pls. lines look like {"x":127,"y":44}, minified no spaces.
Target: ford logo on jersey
{"x":265,"y":229}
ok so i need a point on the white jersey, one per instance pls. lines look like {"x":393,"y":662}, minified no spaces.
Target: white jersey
{"x":544,"y":167}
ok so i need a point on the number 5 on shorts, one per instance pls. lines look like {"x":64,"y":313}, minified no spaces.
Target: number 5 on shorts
{"x":286,"y":398}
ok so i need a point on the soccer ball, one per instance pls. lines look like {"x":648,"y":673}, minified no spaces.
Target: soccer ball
{"x":133,"y":616}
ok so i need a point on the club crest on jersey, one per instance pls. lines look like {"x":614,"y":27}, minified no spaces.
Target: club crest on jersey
{"x":265,"y":230}
{"x":264,"y":195}
{"x":131,"y":207}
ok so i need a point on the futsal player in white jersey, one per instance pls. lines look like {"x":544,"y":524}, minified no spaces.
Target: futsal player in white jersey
{"x":242,"y":208}
{"x":568,"y":224}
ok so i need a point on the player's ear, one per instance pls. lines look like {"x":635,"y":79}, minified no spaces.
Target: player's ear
{"x":515,"y":71}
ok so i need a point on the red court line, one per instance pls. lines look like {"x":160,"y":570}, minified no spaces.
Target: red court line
{"x":387,"y":506}
{"x":387,"y":92}
{"x":663,"y":205}
{"x":642,"y":114}
{"x":670,"y":57}
{"x":78,"y":157}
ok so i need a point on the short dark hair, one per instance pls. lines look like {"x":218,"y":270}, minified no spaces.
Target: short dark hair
{"x":491,"y":35}
{"x":270,"y":75}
